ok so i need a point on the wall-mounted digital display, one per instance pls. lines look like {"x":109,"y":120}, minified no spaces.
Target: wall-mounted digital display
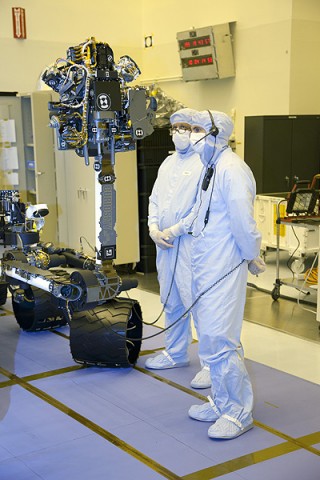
{"x":197,"y":61}
{"x":207,"y":48}
{"x":204,"y":41}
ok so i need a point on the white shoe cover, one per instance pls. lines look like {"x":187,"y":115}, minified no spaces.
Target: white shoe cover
{"x":203,"y":413}
{"x":164,"y":361}
{"x":202,"y":379}
{"x":227,"y":429}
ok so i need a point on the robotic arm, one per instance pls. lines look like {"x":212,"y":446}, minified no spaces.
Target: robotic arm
{"x":97,"y":115}
{"x":97,"y":112}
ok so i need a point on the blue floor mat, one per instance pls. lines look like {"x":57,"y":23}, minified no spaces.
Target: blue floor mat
{"x":107,"y":423}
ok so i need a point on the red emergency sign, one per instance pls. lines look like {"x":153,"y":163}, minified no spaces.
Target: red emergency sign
{"x":19,"y":23}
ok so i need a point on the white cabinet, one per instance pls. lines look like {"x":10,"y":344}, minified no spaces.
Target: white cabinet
{"x":299,"y":240}
{"x":39,"y":158}
{"x":12,"y":165}
{"x":76,"y":200}
{"x":77,"y":204}
{"x":27,"y":157}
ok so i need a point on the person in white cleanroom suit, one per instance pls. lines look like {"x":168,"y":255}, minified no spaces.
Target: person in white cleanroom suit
{"x":225,"y":242}
{"x":173,"y":196}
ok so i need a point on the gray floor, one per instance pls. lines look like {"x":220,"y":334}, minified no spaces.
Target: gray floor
{"x":61,"y":420}
{"x":285,"y":314}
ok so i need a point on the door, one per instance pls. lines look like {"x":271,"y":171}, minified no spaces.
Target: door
{"x":277,"y":155}
{"x":76,"y":202}
{"x":305,"y":147}
{"x":79,"y":204}
{"x":45,"y":172}
{"x":12,"y":171}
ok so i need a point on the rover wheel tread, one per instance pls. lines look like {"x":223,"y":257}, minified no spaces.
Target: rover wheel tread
{"x":37,"y":312}
{"x":107,"y":335}
{"x":3,"y":292}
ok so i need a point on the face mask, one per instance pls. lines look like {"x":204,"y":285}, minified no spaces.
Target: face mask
{"x":197,"y":147}
{"x":181,"y":140}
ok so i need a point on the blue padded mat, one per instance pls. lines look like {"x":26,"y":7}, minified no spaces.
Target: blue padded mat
{"x":86,"y":423}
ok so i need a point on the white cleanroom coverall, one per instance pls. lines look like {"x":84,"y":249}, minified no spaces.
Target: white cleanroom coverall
{"x":224,"y":239}
{"x":173,"y":196}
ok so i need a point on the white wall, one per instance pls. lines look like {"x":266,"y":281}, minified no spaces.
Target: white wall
{"x":262,"y":55}
{"x":276,"y":43}
{"x":53,"y":26}
{"x":305,"y":65}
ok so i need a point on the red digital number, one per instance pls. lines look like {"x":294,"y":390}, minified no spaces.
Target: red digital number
{"x":195,"y":42}
{"x":197,"y":61}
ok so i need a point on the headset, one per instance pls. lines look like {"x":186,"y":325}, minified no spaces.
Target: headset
{"x":214,"y":131}
{"x":210,"y":172}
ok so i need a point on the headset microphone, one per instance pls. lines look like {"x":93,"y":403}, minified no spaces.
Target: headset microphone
{"x":214,"y":131}
{"x":206,"y":135}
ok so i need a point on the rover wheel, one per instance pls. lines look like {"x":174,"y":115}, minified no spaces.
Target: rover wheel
{"x":34,"y":310}
{"x":108,"y":335}
{"x":3,"y":292}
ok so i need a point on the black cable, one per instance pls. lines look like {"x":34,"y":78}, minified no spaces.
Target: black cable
{"x":211,"y":171}
{"x":191,"y":306}
{"x":197,"y":214}
{"x":166,"y":300}
{"x":170,"y":288}
{"x":94,"y":249}
{"x":291,"y":256}
{"x":168,"y":295}
{"x":278,"y":223}
{"x":206,"y":218}
{"x":284,"y":297}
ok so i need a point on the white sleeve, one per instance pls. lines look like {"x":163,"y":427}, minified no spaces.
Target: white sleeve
{"x":239,"y":196}
{"x":153,"y":217}
{"x":184,"y":226}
